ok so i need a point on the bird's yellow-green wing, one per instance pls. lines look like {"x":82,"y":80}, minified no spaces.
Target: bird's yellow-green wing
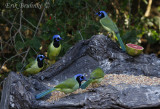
{"x":66,"y":86}
{"x":32,"y":68}
{"x":94,"y":77}
{"x":30,"y":64}
{"x":97,"y":73}
{"x":108,"y":24}
{"x":69,"y":83}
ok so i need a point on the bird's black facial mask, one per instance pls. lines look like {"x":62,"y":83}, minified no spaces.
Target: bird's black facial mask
{"x":40,"y":59}
{"x":56,"y":43}
{"x":101,"y":14}
{"x":56,"y":39}
{"x":80,"y":79}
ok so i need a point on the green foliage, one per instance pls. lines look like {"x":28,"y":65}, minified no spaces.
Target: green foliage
{"x":152,"y":36}
{"x":19,"y":45}
{"x":129,"y":36}
{"x":73,"y":20}
{"x":35,"y":43}
{"x":19,"y":66}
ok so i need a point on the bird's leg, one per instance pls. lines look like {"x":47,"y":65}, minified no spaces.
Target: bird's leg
{"x":111,"y":35}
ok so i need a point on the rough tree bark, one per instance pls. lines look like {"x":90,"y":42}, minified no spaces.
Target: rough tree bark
{"x":19,"y":91}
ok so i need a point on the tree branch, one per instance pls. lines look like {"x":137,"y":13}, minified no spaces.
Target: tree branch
{"x":39,"y":22}
{"x":147,"y":13}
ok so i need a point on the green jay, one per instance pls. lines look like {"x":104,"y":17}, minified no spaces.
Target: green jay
{"x":68,"y":86}
{"x":110,"y":26}
{"x":35,"y":66}
{"x":95,"y":77}
{"x":54,"y":49}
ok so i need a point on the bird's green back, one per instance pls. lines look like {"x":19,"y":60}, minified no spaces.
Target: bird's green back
{"x":67,"y":86}
{"x":32,"y":68}
{"x":95,"y":77}
{"x":69,"y":83}
{"x":97,"y":73}
{"x":30,"y":64}
{"x":108,"y":24}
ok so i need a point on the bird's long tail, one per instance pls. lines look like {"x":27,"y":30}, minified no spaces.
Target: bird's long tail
{"x":42,"y":94}
{"x":84,"y":85}
{"x":121,"y":42}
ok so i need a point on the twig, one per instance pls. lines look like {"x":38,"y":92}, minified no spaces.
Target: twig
{"x":12,"y":27}
{"x":12,"y":58}
{"x":147,"y":13}
{"x":129,"y":20}
{"x":29,"y":22}
{"x":34,"y":50}
{"x":8,"y":21}
{"x":24,"y":59}
{"x":93,"y":9}
{"x":25,"y":27}
{"x":24,"y":65}
{"x":25,"y":55}
{"x":14,"y":37}
{"x":80,"y":35}
{"x":20,"y":22}
{"x":55,"y":18}
{"x":39,"y":22}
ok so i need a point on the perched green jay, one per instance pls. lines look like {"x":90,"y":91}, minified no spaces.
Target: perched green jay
{"x":54,"y":49}
{"x":35,"y":66}
{"x":110,"y":26}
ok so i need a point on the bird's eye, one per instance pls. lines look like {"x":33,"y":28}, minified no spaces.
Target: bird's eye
{"x":99,"y":13}
{"x":40,"y":56}
{"x":58,"y":38}
{"x":82,"y":77}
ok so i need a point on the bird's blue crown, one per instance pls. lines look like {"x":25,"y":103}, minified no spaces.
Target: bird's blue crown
{"x":57,"y":37}
{"x":102,"y":14}
{"x":40,"y":57}
{"x":81,"y":77}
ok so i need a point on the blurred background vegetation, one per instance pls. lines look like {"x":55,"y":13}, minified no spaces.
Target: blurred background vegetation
{"x":26,"y":32}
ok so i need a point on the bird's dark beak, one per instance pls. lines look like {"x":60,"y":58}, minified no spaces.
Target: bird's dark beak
{"x":96,"y":14}
{"x":61,"y":39}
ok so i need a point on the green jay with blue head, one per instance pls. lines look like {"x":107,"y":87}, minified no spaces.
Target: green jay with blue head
{"x":95,"y":77}
{"x":68,"y":86}
{"x":54,"y":49}
{"x":110,"y":26}
{"x":35,"y":66}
